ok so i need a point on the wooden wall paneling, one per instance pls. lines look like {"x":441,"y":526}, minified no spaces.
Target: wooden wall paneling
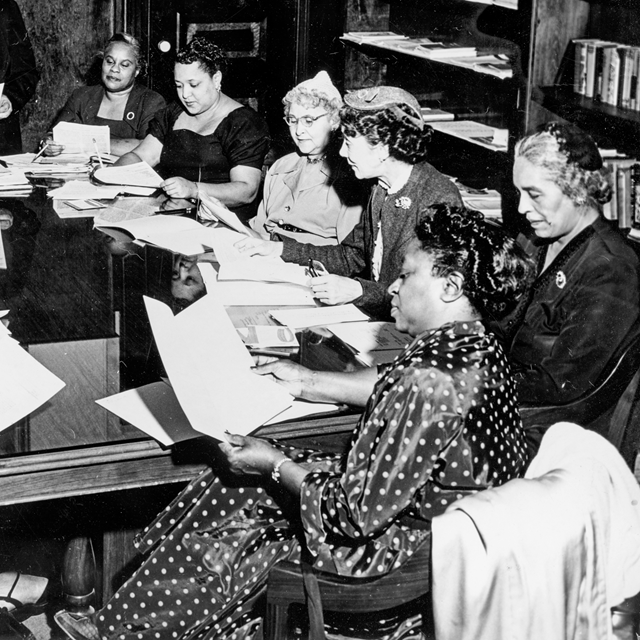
{"x":65,"y":34}
{"x":555,"y":24}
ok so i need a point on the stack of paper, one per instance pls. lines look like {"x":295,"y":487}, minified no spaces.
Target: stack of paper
{"x":13,"y":183}
{"x":487,"y":201}
{"x":318,"y":316}
{"x":83,"y":139}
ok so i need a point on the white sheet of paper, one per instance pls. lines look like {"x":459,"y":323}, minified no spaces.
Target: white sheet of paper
{"x":83,"y":190}
{"x":209,"y":210}
{"x":24,"y":383}
{"x":319,"y":316}
{"x":210,"y":369}
{"x":275,"y":294}
{"x":82,"y":138}
{"x":222,"y":240}
{"x":154,"y":409}
{"x":365,"y":337}
{"x":138,"y":174}
{"x":264,"y":270}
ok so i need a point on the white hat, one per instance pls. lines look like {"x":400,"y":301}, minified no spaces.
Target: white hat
{"x":321,"y":83}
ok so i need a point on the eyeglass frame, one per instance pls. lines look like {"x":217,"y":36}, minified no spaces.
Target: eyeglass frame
{"x":310,"y":120}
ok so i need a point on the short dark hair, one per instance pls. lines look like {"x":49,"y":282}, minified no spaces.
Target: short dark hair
{"x":495,"y":268}
{"x":207,"y":54}
{"x":406,"y":140}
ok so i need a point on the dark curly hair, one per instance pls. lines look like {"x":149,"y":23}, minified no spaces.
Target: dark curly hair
{"x":207,"y":54}
{"x":495,"y":268}
{"x":406,"y":141}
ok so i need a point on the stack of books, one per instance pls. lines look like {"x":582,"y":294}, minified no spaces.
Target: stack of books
{"x":607,"y":72}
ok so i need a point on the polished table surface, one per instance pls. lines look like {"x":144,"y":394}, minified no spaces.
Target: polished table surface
{"x":76,"y":305}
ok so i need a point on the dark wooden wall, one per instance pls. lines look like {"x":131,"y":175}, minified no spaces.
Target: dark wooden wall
{"x":65,"y":34}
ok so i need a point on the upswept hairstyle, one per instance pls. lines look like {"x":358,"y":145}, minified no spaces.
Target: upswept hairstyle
{"x":405,"y":140}
{"x":134,"y":43}
{"x":312,"y":98}
{"x":207,"y":54}
{"x":570,"y":159}
{"x":495,"y":268}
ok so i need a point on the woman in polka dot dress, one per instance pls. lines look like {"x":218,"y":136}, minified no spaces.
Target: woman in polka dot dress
{"x":441,"y":423}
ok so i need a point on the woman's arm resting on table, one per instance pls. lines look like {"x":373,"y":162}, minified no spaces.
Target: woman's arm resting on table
{"x":148,"y":150}
{"x":350,"y":387}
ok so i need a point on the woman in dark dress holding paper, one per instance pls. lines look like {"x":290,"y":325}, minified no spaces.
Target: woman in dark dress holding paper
{"x":118,"y":102}
{"x":207,"y":143}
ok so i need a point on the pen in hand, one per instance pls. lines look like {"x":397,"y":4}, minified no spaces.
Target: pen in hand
{"x":40,"y":152}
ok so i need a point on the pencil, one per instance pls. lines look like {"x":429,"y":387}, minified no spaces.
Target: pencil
{"x":40,"y":152}
{"x":95,"y":146}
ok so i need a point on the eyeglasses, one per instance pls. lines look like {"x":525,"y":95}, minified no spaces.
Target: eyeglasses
{"x":305,"y":121}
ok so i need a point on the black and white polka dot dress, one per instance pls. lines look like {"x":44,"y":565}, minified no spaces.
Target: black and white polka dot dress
{"x":441,"y":423}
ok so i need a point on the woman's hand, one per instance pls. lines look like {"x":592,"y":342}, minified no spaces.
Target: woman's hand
{"x":6,"y":108}
{"x":295,"y":378}
{"x":179,"y":188}
{"x":52,"y":148}
{"x":332,"y":290}
{"x":175,"y":203}
{"x":249,"y":456}
{"x":259,"y":247}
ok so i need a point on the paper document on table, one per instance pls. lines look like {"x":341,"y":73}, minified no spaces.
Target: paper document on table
{"x":175,"y":233}
{"x":319,"y":316}
{"x":210,"y":210}
{"x":275,"y":294}
{"x":371,"y":336}
{"x":264,"y":270}
{"x":210,"y":369}
{"x":81,"y":190}
{"x":222,"y":240}
{"x":154,"y":409}
{"x":82,"y":138}
{"x":138,"y":174}
{"x":25,"y":384}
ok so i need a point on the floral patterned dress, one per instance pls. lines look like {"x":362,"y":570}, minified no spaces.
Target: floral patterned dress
{"x":441,"y":424}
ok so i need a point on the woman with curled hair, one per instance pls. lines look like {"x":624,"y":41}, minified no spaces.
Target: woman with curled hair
{"x":311,"y":195}
{"x":439,"y":423}
{"x":384,"y":140}
{"x":206,"y":143}
{"x":119,"y":102}
{"x":584,"y":300}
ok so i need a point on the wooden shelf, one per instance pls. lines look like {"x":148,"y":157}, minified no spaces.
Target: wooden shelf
{"x":608,"y":124}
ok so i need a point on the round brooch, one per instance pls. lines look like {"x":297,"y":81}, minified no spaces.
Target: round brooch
{"x":403,"y":202}
{"x":130,"y":115}
{"x":561,"y":280}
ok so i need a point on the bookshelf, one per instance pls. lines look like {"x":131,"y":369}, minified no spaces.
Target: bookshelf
{"x":488,"y":103}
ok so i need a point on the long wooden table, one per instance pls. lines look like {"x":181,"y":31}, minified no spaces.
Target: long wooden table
{"x":77,"y":307}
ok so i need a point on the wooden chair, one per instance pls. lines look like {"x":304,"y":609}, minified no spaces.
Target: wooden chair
{"x":290,"y":583}
{"x":611,"y":408}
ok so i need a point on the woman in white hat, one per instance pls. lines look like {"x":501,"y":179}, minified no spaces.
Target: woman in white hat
{"x":311,"y":195}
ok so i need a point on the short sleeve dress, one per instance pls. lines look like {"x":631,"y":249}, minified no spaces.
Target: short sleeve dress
{"x":241,"y":139}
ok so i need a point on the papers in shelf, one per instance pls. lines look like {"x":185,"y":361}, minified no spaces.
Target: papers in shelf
{"x":433,"y":115}
{"x":86,"y":139}
{"x":487,"y":201}
{"x":318,"y":316}
{"x":364,"y":37}
{"x":475,"y":132}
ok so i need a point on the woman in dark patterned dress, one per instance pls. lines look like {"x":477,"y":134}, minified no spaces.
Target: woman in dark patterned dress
{"x":440,"y":424}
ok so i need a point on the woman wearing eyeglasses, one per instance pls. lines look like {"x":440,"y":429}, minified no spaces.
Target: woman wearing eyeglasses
{"x":311,"y":195}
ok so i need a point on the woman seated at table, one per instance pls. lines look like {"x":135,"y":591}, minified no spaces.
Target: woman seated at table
{"x":207,"y":143}
{"x":442,"y":422}
{"x":311,"y":195}
{"x":385,"y":139}
{"x":119,"y":102}
{"x":585,"y":297}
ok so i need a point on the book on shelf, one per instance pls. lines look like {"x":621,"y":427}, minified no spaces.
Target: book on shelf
{"x":443,"y":50}
{"x":364,"y":37}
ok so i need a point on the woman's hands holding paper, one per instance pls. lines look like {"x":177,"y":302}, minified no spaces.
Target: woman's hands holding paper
{"x":179,"y":188}
{"x":249,"y":456}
